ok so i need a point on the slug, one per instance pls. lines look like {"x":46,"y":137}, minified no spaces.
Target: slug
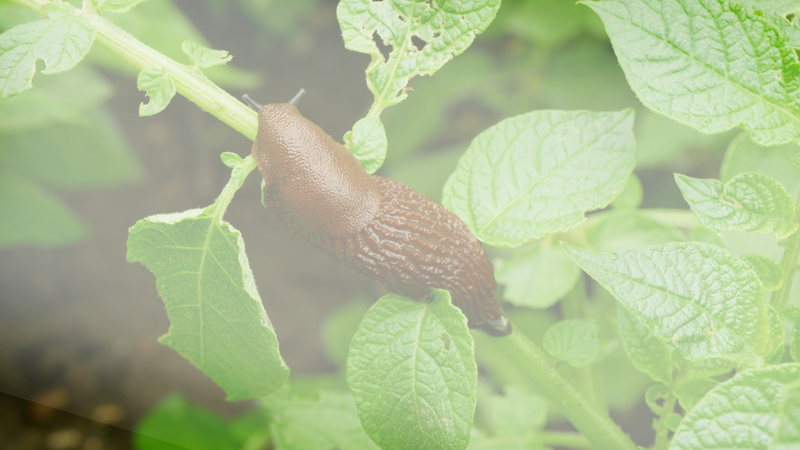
{"x":378,"y":227}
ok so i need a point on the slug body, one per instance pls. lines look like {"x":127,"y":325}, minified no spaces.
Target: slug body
{"x":377,"y":226}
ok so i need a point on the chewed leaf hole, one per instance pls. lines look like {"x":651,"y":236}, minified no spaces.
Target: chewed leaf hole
{"x":446,"y":340}
{"x":385,"y":50}
{"x":419,"y":43}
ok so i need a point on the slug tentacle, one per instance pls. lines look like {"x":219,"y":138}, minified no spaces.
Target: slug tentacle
{"x":377,"y":226}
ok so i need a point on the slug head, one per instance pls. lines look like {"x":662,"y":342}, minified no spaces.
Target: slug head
{"x":315,"y":177}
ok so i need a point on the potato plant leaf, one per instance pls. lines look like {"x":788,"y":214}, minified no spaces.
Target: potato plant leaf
{"x":794,"y":341}
{"x":576,"y":342}
{"x":32,"y":216}
{"x":160,"y":88}
{"x":645,"y":351}
{"x":368,"y":143}
{"x":203,"y":57}
{"x":691,"y":390}
{"x":117,"y":6}
{"x":710,"y":64}
{"x":750,"y":201}
{"x":329,"y":422}
{"x":412,"y":371}
{"x":217,"y":320}
{"x":61,"y":41}
{"x":537,"y":173}
{"x":422,"y":36}
{"x":743,"y":412}
{"x":515,"y":419}
{"x":696,"y":297}
{"x":787,"y":436}
{"x":769,"y":272}
{"x":537,"y":276}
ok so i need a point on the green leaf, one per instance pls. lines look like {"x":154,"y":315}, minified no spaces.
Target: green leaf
{"x":537,"y":276}
{"x":74,"y":156}
{"x":778,"y":7}
{"x":710,"y":64}
{"x":631,"y":195}
{"x":412,"y":371}
{"x":538,"y":173}
{"x":769,"y":272}
{"x":330,"y":422}
{"x":623,"y":230}
{"x":217,"y":320}
{"x":239,"y":166}
{"x":544,"y":22}
{"x":743,"y":412}
{"x":515,"y":419}
{"x":697,"y":297}
{"x":646,"y":352}
{"x":117,"y":6}
{"x":672,"y":421}
{"x":368,"y":143}
{"x":204,"y":57}
{"x":176,"y":424}
{"x":67,"y":97}
{"x":160,"y":88}
{"x":750,"y":201}
{"x":423,"y":36}
{"x":745,"y":156}
{"x":655,"y":393}
{"x":777,"y":337}
{"x":576,"y":342}
{"x":61,"y":41}
{"x":787,"y":435}
{"x":231,"y":159}
{"x":691,"y":390}
{"x":794,"y":159}
{"x":704,"y":368}
{"x":31,"y":216}
{"x":794,"y":341}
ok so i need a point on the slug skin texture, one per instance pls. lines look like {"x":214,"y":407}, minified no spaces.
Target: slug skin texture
{"x":379,"y":227}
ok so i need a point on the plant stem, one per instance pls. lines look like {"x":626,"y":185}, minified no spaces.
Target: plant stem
{"x":789,"y":264}
{"x":574,"y":306}
{"x":660,"y":426}
{"x":190,"y":83}
{"x":585,"y":415}
{"x":563,"y":439}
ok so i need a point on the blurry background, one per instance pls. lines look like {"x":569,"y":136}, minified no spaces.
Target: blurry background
{"x":78,"y":167}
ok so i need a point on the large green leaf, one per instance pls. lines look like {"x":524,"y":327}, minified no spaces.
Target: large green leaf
{"x":412,"y":371}
{"x":217,"y":319}
{"x":710,"y":64}
{"x":741,"y":413}
{"x":697,"y":297}
{"x":423,"y":36}
{"x":750,"y":201}
{"x":31,"y":216}
{"x":538,"y":173}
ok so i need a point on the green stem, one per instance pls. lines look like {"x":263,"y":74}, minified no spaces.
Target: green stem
{"x":789,"y":264}
{"x":585,"y":415}
{"x":192,"y":85}
{"x":563,"y":439}
{"x":574,"y":306}
{"x":660,"y":425}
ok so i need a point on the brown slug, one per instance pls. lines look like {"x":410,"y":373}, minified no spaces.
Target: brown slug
{"x":378,"y":227}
